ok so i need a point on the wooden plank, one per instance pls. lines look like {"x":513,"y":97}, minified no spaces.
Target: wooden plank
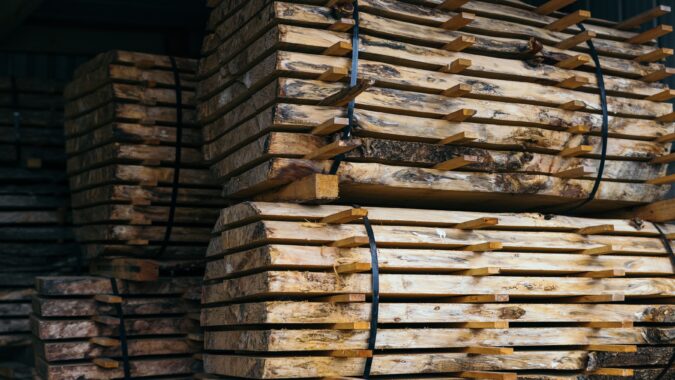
{"x":651,"y":34}
{"x":644,"y":17}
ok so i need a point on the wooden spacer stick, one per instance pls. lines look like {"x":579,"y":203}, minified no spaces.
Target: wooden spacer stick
{"x":105,"y":342}
{"x":106,"y":320}
{"x":620,"y":372}
{"x":644,"y":17}
{"x":478,"y":272}
{"x":459,"y":21}
{"x":575,"y":81}
{"x":651,"y":34}
{"x":484,"y":325}
{"x":665,"y":180}
{"x":662,"y":96}
{"x":552,"y":6}
{"x":576,"y":40}
{"x":569,"y":20}
{"x":484,"y":298}
{"x":576,"y":151}
{"x":598,"y":298}
{"x":574,"y":61}
{"x":667,"y":118}
{"x":602,"y":250}
{"x":658,"y":75}
{"x":314,"y":188}
{"x":611,"y":348}
{"x":460,"y":115}
{"x":109,"y":299}
{"x":579,"y":129}
{"x":573,"y":105}
{"x":343,"y":97}
{"x":488,"y":375}
{"x":476,"y":224}
{"x":666,"y":138}
{"x":350,"y":326}
{"x":351,"y":242}
{"x":480,"y":350}
{"x":460,"y":43}
{"x":484,"y":247}
{"x":459,"y":138}
{"x":343,"y":298}
{"x":342,"y":25}
{"x":607,"y":273}
{"x":665,"y":159}
{"x":350,"y":353}
{"x":106,"y":363}
{"x":339,"y":49}
{"x":451,"y":5}
{"x":334,"y":74}
{"x":457,"y":91}
{"x":595,"y":230}
{"x":456,"y":163}
{"x":333,"y":149}
{"x":346,"y":216}
{"x":576,"y":172}
{"x":607,"y":324}
{"x":353,"y":268}
{"x":330,"y":126}
{"x":656,"y":55}
{"x":457,"y":66}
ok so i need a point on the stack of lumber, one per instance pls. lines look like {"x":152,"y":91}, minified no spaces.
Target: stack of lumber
{"x":458,"y":103}
{"x":463,"y":294}
{"x":124,"y":135}
{"x":36,"y":238}
{"x":76,"y":325}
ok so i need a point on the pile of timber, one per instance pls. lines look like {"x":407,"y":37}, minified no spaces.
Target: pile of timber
{"x":462,"y":294}
{"x":76,"y":327}
{"x":140,"y":188}
{"x":36,"y":238}
{"x":457,"y":103}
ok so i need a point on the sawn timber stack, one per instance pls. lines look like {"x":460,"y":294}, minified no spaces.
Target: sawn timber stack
{"x":287,"y":294}
{"x":35,"y":228}
{"x":123,"y":130}
{"x":76,"y":328}
{"x":453,"y":109}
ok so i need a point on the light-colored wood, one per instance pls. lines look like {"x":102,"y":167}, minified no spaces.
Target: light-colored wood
{"x":456,"y":163}
{"x":487,"y":298}
{"x":109,"y":299}
{"x":595,"y":230}
{"x":105,"y":342}
{"x":106,"y":363}
{"x":644,"y":17}
{"x":488,"y":375}
{"x":478,"y":223}
{"x":343,"y":298}
{"x":579,"y":129}
{"x":484,"y":247}
{"x":651,"y":34}
{"x":339,"y":49}
{"x":484,"y":325}
{"x":576,"y":40}
{"x":353,"y":268}
{"x":333,"y":149}
{"x":573,"y":82}
{"x":670,"y":137}
{"x":620,"y":372}
{"x":665,"y":180}
{"x":658,"y":212}
{"x":662,"y":96}
{"x":457,"y":91}
{"x":573,"y":62}
{"x":314,"y":188}
{"x":457,"y":66}
{"x":658,"y":75}
{"x":452,"y":5}
{"x":576,"y":151}
{"x":600,"y":298}
{"x":608,"y":325}
{"x":331,"y":126}
{"x":668,"y":118}
{"x":346,"y":216}
{"x":351,"y":326}
{"x":481,"y":350}
{"x":552,"y":5}
{"x":351,"y":242}
{"x":334,"y":74}
{"x":487,"y":271}
{"x":576,"y":172}
{"x":602,"y":250}
{"x":604,"y":273}
{"x":460,"y":115}
{"x":656,"y":55}
{"x":350,"y":353}
{"x":666,"y":159}
{"x":573,"y":105}
{"x":611,"y":348}
{"x":458,"y":21}
{"x":343,"y":25}
{"x":569,"y":20}
{"x":459,"y":138}
{"x":460,"y":43}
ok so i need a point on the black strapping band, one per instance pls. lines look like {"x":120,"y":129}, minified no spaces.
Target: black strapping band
{"x":347,"y":131}
{"x":669,"y":249}
{"x":605,"y":125}
{"x":16,"y":119}
{"x":124,"y":347}
{"x":375,"y":303}
{"x":177,"y":159}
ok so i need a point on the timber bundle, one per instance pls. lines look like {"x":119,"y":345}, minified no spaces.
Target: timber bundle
{"x":443,"y":105}
{"x":36,"y":234}
{"x":77,"y":320}
{"x":460,"y":292}
{"x":133,"y":195}
{"x":456,"y":102}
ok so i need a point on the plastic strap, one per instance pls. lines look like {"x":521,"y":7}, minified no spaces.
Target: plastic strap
{"x":347,"y":131}
{"x":375,"y":303}
{"x":122,"y":333}
{"x":177,"y":160}
{"x":605,"y":124}
{"x":669,"y":248}
{"x":16,"y":119}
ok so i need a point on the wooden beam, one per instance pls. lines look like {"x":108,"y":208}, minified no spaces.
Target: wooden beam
{"x":569,"y":20}
{"x":314,"y":188}
{"x":457,"y":66}
{"x":656,"y":55}
{"x":331,"y":126}
{"x":576,"y":40}
{"x":458,"y":21}
{"x":651,"y":34}
{"x":574,"y":61}
{"x":552,"y":5}
{"x":460,"y":43}
{"x":644,"y":17}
